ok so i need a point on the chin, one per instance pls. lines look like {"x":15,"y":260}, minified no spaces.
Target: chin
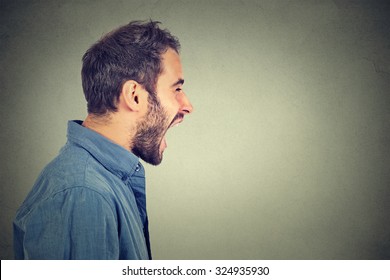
{"x":154,"y":160}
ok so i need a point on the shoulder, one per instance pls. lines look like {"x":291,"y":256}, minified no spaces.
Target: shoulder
{"x":76,"y":167}
{"x":75,"y":175}
{"x":73,"y":203}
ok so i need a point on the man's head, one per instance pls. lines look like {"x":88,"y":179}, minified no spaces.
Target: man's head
{"x":133,"y":76}
{"x":131,"y":52}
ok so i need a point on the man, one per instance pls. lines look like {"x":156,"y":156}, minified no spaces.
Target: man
{"x":89,"y":202}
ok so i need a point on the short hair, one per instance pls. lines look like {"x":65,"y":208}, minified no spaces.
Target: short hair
{"x":130,"y":52}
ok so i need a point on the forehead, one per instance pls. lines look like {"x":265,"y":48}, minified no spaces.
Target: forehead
{"x":171,"y":67}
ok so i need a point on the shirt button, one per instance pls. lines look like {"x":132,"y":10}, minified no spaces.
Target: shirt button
{"x":137,"y":168}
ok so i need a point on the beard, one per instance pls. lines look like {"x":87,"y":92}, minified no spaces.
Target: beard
{"x":150,"y":132}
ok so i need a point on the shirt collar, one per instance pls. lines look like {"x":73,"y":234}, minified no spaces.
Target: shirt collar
{"x":115,"y":158}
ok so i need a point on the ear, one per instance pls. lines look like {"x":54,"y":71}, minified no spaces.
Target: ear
{"x":131,"y":95}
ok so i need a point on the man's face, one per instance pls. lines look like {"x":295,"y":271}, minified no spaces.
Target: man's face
{"x":166,"y":108}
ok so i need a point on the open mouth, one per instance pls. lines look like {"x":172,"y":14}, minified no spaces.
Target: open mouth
{"x":175,"y":122}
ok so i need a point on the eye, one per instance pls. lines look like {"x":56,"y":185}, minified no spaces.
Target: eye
{"x":178,"y":90}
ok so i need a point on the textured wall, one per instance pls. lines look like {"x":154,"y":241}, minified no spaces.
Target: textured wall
{"x":287,"y":153}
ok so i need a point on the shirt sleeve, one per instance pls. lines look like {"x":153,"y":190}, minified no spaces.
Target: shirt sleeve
{"x":77,"y":223}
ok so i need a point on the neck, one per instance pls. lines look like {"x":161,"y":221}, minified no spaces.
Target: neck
{"x":112,"y":127}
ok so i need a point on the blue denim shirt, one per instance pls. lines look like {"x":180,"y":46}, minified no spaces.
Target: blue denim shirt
{"x":88,"y":203}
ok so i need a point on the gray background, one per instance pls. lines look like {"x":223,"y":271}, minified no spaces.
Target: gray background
{"x":287,"y":153}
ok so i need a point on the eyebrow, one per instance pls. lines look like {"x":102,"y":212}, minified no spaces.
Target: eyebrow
{"x":178,"y":82}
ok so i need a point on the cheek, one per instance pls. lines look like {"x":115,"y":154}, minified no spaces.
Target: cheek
{"x":172,"y":106}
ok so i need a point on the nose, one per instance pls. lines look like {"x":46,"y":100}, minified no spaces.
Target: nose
{"x":185,"y":105}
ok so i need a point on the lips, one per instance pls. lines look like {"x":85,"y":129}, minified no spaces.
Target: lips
{"x":176,"y":120}
{"x":175,"y":123}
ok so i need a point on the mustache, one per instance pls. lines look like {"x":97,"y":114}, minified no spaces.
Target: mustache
{"x":178,"y":116}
